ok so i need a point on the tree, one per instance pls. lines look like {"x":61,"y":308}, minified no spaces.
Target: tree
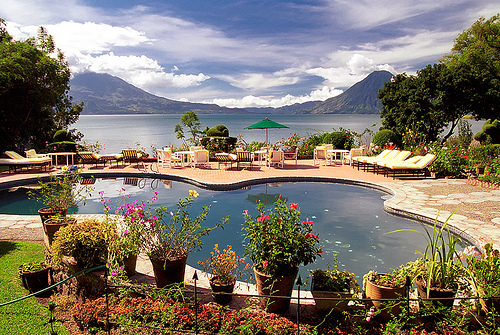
{"x":191,"y":121}
{"x":34,"y":92}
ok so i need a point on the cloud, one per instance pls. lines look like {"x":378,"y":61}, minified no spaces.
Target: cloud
{"x":253,"y":101}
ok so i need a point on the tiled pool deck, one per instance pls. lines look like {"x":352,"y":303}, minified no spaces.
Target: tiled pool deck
{"x":478,"y":212}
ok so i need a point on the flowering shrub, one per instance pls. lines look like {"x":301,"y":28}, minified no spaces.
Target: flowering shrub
{"x":492,"y":175}
{"x":290,"y":143}
{"x":277,"y":240}
{"x":451,"y":162}
{"x":485,"y":271}
{"x":166,"y":240}
{"x":224,"y":265}
{"x":92,"y":147}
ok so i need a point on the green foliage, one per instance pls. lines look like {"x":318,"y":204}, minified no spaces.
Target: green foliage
{"x":277,"y":240}
{"x":86,"y":242}
{"x":34,"y":86}
{"x":192,"y":122}
{"x":385,"y":137}
{"x":219,"y":144}
{"x":218,"y":131}
{"x":334,"y":280}
{"x":493,"y":173}
{"x":485,"y":271}
{"x":450,"y":161}
{"x":167,"y":240}
{"x":311,"y":142}
{"x":61,"y":192}
{"x":32,"y":266}
{"x":490,"y":132}
{"x":290,"y":143}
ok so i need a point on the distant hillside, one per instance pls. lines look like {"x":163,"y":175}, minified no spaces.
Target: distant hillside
{"x":361,"y":98}
{"x":106,"y":94}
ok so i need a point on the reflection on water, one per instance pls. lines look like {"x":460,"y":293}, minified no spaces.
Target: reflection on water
{"x":350,"y":220}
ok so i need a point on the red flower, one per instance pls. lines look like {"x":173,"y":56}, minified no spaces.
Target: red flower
{"x":307,"y":222}
{"x":320,"y":250}
{"x":265,"y":264}
{"x":263,"y":218}
{"x":245,"y":212}
{"x":293,"y":206}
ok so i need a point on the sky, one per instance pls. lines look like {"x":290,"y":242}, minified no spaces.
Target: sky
{"x":247,"y":53}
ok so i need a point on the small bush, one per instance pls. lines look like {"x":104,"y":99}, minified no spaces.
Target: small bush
{"x":219,"y":144}
{"x":385,"y":137}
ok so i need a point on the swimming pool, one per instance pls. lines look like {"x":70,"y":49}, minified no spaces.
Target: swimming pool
{"x":350,"y":220}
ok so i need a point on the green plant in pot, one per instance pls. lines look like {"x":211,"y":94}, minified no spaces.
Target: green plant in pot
{"x":225,"y":269}
{"x":332,"y":283}
{"x":278,"y":241}
{"x":437,"y":273}
{"x":35,"y":277}
{"x":171,"y":235}
{"x":484,"y":270}
{"x":83,"y":244}
{"x":60,"y":193}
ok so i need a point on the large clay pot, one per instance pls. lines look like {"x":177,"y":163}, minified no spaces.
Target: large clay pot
{"x":168,"y":272}
{"x":218,"y":288}
{"x":386,"y":308}
{"x":46,"y":212}
{"x":129,"y":264}
{"x":435,"y":292}
{"x":325,"y":306}
{"x":36,"y":281}
{"x":52,"y":226}
{"x":276,"y":286}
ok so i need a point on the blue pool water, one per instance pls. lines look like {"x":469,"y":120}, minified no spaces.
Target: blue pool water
{"x":350,"y":220}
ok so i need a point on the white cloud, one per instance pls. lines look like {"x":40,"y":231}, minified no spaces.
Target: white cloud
{"x":253,"y":101}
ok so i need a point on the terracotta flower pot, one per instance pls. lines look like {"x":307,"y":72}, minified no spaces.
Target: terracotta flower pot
{"x":47,"y":212}
{"x":168,"y":272}
{"x":52,"y":226}
{"x":218,"y":288}
{"x":386,"y":308}
{"x":36,"y":281}
{"x":275,"y":286}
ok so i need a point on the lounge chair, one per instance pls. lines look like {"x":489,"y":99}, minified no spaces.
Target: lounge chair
{"x":417,"y":168}
{"x":17,"y":161}
{"x":91,"y":158}
{"x":225,"y":158}
{"x":399,"y":157}
{"x":292,"y":154}
{"x":200,"y":157}
{"x":386,"y":154}
{"x":166,"y":155}
{"x":132,"y":155}
{"x":276,"y":158}
{"x":244,"y":157}
{"x":32,"y":154}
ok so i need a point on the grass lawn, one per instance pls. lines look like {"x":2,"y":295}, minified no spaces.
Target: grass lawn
{"x":27,"y":316}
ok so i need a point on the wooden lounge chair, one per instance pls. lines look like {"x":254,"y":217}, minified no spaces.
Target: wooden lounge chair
{"x":33,"y":154}
{"x":17,"y":161}
{"x":225,"y":158}
{"x":276,"y":158}
{"x":417,"y":168}
{"x":132,"y":156}
{"x":244,"y":157}
{"x":374,"y":159}
{"x":90,"y":158}
{"x":357,"y":161}
{"x":399,"y":157}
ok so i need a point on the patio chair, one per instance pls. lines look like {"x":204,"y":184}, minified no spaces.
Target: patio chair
{"x":200,"y":157}
{"x":167,"y":156}
{"x":225,"y":158}
{"x":417,"y":168}
{"x":244,"y":157}
{"x":17,"y":161}
{"x":90,"y":158}
{"x":276,"y":158}
{"x":355,"y":152}
{"x":132,"y":155}
{"x":292,"y":154}
{"x":321,"y":154}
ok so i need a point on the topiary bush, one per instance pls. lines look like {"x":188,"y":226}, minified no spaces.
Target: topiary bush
{"x":216,"y":144}
{"x":490,"y":132}
{"x":218,"y":131}
{"x":385,"y":137}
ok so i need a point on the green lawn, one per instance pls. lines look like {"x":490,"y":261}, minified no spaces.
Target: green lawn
{"x":27,"y":316}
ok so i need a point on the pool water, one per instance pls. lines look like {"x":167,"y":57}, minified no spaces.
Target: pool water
{"x":350,"y":220}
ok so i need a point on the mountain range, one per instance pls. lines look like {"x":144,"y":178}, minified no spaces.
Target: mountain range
{"x":106,"y":94}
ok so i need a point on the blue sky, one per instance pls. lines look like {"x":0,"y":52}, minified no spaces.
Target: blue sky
{"x":248,"y":53}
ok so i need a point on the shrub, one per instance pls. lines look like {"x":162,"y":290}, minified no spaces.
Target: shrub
{"x":337,"y":138}
{"x":449,"y":161}
{"x":490,"y":132}
{"x":385,"y":137}
{"x":219,"y":144}
{"x":218,"y":131}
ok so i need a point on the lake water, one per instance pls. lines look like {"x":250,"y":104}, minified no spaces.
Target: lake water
{"x":119,"y":132}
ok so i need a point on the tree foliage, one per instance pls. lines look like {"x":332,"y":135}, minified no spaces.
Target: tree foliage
{"x":465,"y":82}
{"x":34,"y":92}
{"x":192,"y":122}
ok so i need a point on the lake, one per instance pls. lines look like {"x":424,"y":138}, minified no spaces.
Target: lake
{"x":119,"y":132}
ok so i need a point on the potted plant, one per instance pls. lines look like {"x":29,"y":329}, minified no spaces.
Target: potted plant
{"x":438,"y":271}
{"x":332,"y":283}
{"x":168,"y":242}
{"x":278,"y":241}
{"x":84,"y":244}
{"x":34,"y":276}
{"x":59,"y":194}
{"x":54,"y":223}
{"x":391,"y":285}
{"x":224,"y":267}
{"x":485,"y":277}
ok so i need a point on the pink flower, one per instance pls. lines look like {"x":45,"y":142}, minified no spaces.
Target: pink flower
{"x":245,"y":212}
{"x":263,"y":218}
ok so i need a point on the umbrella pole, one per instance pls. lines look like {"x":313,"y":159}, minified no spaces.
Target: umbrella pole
{"x":267,"y":140}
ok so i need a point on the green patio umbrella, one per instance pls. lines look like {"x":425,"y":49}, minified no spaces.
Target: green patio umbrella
{"x":266,"y":124}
